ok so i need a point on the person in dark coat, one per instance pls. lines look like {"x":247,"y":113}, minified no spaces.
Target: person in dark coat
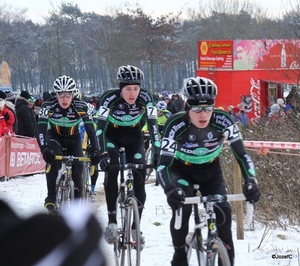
{"x":170,"y":106}
{"x":26,"y":119}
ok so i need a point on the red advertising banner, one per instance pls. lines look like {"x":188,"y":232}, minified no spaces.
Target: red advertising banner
{"x":2,"y":156}
{"x":266,"y":54}
{"x":25,"y":157}
{"x":215,"y":54}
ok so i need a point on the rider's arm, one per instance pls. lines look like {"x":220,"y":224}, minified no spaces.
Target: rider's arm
{"x":151,"y":118}
{"x":102,"y":117}
{"x":42,"y":125}
{"x":234,"y":137}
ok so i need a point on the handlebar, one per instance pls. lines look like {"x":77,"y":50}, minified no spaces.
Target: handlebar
{"x":72,"y":158}
{"x":216,"y":198}
{"x":127,"y":166}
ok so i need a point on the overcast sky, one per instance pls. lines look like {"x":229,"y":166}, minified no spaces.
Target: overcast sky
{"x":38,"y":9}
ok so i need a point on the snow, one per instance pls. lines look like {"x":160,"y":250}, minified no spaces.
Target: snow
{"x":26,"y":195}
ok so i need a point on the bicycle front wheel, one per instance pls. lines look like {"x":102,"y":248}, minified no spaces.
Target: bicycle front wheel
{"x":68,"y":195}
{"x":219,"y":254}
{"x":195,"y":246}
{"x":149,"y":161}
{"x":133,"y":245}
{"x":119,"y":246}
{"x":86,"y":184}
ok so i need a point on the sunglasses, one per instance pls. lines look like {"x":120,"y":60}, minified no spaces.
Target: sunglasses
{"x":65,"y":95}
{"x":199,"y":109}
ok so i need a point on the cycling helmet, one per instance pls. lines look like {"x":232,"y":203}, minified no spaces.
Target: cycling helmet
{"x":77,"y":94}
{"x":275,"y":108}
{"x":200,"y":89}
{"x":64,"y":84}
{"x":130,"y":74}
{"x":161,"y":105}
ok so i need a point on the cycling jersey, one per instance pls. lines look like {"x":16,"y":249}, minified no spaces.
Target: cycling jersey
{"x":65,"y":122}
{"x":116,"y":115}
{"x":188,"y":145}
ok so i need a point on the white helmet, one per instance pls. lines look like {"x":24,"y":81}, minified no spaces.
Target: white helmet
{"x":64,"y":84}
{"x":77,"y":94}
{"x":161,"y":105}
{"x":275,"y":108}
{"x":130,"y":74}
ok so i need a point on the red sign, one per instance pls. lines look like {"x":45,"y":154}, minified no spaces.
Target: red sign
{"x":215,"y":54}
{"x":25,"y":157}
{"x":2,"y":156}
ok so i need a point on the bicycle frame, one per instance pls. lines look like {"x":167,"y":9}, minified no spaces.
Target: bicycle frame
{"x":127,"y":251}
{"x":212,"y":248}
{"x":65,"y":184}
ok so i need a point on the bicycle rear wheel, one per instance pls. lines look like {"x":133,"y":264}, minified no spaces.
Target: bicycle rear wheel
{"x":219,"y":253}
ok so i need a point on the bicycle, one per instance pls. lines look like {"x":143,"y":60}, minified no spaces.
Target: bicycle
{"x":149,"y":164}
{"x":64,"y":183}
{"x":211,"y":251}
{"x":127,"y":251}
{"x":88,"y":171}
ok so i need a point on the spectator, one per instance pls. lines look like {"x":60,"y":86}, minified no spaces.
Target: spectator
{"x":244,"y":119}
{"x":26,"y":119}
{"x":46,"y":96}
{"x":44,"y":239}
{"x":280,"y":102}
{"x":229,"y":109}
{"x":170,"y":106}
{"x":9,"y":98}
{"x":6,"y":119}
{"x":179,"y":103}
{"x":274,"y":115}
{"x":295,"y":107}
{"x":236,"y":114}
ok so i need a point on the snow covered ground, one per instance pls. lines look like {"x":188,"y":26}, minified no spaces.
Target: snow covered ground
{"x":26,"y":195}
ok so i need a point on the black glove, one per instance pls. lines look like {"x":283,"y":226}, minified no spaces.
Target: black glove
{"x":251,"y":190}
{"x":105,"y":162}
{"x":6,"y":116}
{"x":175,"y":196}
{"x":95,"y":157}
{"x":48,"y":155}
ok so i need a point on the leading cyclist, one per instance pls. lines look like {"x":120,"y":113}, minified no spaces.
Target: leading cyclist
{"x":120,"y":115}
{"x":58,"y":128}
{"x":191,"y":144}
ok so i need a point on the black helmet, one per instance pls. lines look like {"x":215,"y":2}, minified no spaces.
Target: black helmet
{"x":200,"y":89}
{"x":130,"y":74}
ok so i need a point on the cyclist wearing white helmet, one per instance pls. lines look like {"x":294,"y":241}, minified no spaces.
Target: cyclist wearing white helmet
{"x":191,"y":144}
{"x":58,"y":128}
{"x":120,"y":115}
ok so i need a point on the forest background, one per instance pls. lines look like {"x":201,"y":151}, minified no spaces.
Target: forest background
{"x":89,"y":47}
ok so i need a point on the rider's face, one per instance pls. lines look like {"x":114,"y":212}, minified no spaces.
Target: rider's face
{"x":201,"y":117}
{"x":130,"y":93}
{"x":64,"y":99}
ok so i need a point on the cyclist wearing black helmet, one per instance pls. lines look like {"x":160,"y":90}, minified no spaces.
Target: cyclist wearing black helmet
{"x":191,"y":144}
{"x":120,"y":115}
{"x":58,"y":128}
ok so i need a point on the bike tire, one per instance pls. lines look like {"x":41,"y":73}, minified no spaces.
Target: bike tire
{"x":59,"y":193}
{"x":219,"y":253}
{"x":86,"y":185}
{"x":149,"y":161}
{"x":119,"y":246}
{"x":68,"y":195}
{"x":195,"y":246}
{"x":133,"y":248}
